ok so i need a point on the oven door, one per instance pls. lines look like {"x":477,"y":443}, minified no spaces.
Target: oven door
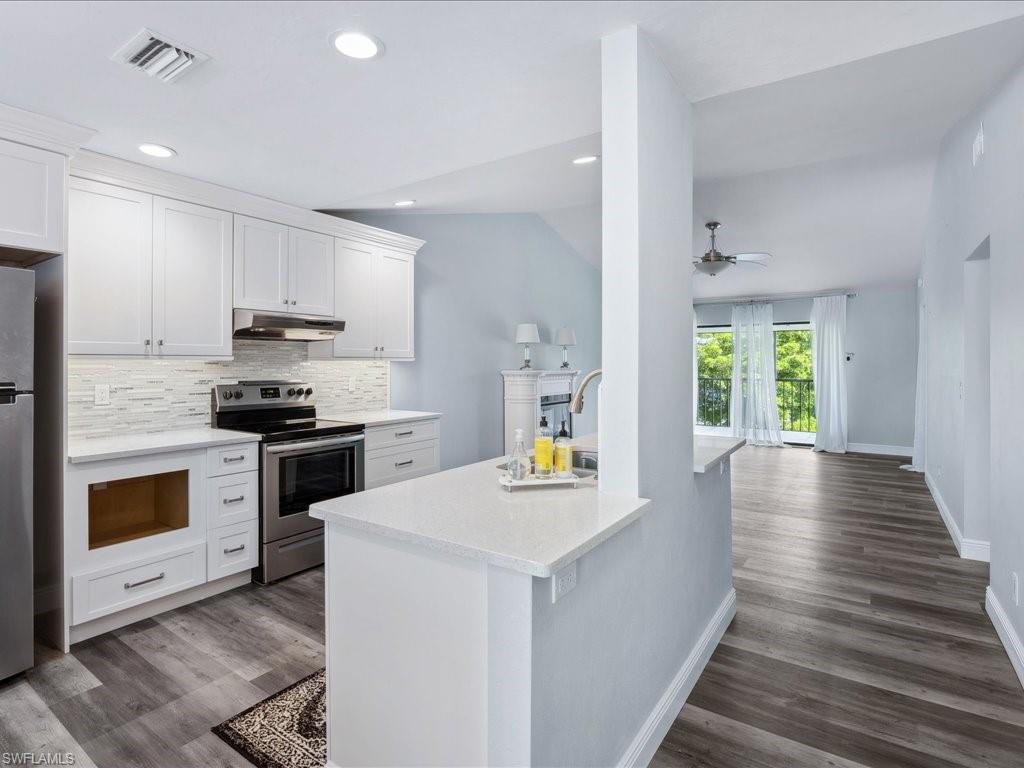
{"x":300,"y":473}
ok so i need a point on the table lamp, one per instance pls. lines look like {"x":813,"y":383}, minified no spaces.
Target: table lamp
{"x":526,"y":334}
{"x":565,"y":338}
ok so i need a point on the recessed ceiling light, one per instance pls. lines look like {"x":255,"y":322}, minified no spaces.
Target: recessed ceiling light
{"x":404,"y":203}
{"x":156,"y":150}
{"x":585,"y":160}
{"x":356,"y":45}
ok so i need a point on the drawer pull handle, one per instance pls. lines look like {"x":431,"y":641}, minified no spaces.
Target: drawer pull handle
{"x":405,"y":463}
{"x":234,"y":500}
{"x":232,"y":551}
{"x":233,"y":459}
{"x":130,"y":585}
{"x":403,"y":434}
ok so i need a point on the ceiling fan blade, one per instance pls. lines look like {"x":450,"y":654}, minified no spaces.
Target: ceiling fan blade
{"x":758,"y":264}
{"x":750,"y":256}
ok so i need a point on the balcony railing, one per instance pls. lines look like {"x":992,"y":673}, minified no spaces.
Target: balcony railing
{"x":794,"y":398}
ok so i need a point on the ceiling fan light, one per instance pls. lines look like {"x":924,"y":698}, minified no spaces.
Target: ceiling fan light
{"x":710,"y":268}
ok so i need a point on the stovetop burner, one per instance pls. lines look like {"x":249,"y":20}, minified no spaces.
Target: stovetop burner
{"x":277,"y":410}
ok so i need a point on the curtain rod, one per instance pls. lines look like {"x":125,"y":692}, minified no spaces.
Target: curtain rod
{"x":776,"y":297}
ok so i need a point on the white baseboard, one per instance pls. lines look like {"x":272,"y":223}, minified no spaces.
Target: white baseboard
{"x":969,"y":549}
{"x":651,"y":734}
{"x":104,"y":624}
{"x":1007,"y":634}
{"x":882,"y":450}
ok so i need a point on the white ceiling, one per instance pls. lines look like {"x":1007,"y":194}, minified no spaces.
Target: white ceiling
{"x":849,"y":223}
{"x":278,"y":112}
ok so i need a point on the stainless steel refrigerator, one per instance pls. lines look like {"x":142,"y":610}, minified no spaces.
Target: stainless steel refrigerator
{"x":17,"y":309}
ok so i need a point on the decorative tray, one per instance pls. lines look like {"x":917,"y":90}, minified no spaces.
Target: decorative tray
{"x":532,"y":481}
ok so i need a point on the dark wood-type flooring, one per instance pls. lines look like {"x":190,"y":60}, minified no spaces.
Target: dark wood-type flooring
{"x":148,"y":694}
{"x":860,"y":638}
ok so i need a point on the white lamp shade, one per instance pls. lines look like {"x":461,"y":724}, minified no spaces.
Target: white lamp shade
{"x":565,"y":337}
{"x":526,"y":333}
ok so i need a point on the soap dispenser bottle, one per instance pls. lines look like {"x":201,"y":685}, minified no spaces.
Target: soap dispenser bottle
{"x":518,"y":462}
{"x":543,"y":450}
{"x":563,"y":454}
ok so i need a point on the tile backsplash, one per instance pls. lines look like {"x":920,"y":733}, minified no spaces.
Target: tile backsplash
{"x":148,"y":395}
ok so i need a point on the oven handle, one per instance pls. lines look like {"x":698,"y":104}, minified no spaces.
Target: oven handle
{"x":314,"y":444}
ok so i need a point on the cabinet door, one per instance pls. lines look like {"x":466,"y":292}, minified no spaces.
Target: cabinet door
{"x":31,"y":198}
{"x":311,"y":273}
{"x":191,"y":279}
{"x":355,"y":299}
{"x":261,"y":265}
{"x":394,"y":280}
{"x":109,"y":262}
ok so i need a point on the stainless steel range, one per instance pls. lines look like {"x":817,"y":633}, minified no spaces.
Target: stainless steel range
{"x":303,"y":460}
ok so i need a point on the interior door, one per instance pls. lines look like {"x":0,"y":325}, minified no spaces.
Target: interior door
{"x":110,"y":260}
{"x":261,"y":265}
{"x":394,"y":304}
{"x":355,"y":299}
{"x":311,"y":273}
{"x":191,"y":279}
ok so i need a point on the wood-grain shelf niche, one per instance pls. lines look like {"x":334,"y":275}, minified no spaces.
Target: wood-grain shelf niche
{"x":136,"y":507}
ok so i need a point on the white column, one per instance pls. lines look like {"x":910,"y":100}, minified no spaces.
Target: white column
{"x":647,"y":198}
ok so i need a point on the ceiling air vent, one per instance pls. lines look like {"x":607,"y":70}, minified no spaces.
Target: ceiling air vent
{"x":158,"y":57}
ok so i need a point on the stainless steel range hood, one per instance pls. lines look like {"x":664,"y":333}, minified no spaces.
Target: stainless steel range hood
{"x":284,"y":327}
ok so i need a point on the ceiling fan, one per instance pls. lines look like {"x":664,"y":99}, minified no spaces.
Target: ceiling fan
{"x":714,"y":261}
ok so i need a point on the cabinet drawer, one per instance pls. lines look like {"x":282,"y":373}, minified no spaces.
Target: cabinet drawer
{"x":390,"y":465}
{"x":232,"y":459}
{"x":232,"y":549}
{"x":116,"y":588}
{"x":232,"y":499}
{"x":401,"y":434}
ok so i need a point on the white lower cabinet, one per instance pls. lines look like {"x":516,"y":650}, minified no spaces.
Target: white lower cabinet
{"x":231,"y":549}
{"x":141,"y":528}
{"x":402,"y":451}
{"x":124,"y":585}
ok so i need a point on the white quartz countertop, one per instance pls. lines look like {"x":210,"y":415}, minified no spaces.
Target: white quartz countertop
{"x":466,"y":512}
{"x":123,"y":446}
{"x":378,"y":418}
{"x":708,"y":450}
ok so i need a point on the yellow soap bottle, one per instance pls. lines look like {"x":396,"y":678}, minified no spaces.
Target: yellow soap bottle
{"x":543,"y":450}
{"x":563,"y":457}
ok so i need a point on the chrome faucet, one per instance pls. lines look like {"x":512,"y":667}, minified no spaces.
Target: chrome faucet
{"x":576,"y":403}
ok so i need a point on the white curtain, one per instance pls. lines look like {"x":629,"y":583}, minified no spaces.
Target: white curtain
{"x":753,"y":411}
{"x":828,"y":329}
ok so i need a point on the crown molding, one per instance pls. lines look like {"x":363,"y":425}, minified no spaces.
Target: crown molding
{"x":124,"y":173}
{"x":37,"y":130}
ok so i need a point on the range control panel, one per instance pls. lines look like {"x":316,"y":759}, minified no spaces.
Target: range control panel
{"x":271,"y":394}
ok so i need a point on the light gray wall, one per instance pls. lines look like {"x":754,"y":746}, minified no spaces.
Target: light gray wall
{"x":881,"y":331}
{"x":476,"y":277}
{"x":968,"y":204}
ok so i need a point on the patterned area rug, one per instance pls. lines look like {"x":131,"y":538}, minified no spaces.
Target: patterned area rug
{"x":286,"y":730}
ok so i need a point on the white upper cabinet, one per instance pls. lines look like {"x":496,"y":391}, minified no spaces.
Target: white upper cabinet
{"x":31,"y":198}
{"x":109,"y":263}
{"x":261,"y":265}
{"x":394,"y":304}
{"x":355,"y":301}
{"x":373,"y":294}
{"x":191,"y":279}
{"x":146,"y":275}
{"x":283,"y":269}
{"x":310,"y":273}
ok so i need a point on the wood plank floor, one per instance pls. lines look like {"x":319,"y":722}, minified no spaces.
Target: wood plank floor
{"x":148,"y":694}
{"x":860,"y":637}
{"x":860,"y":640}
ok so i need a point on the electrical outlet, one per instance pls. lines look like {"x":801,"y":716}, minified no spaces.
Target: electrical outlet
{"x":1015,"y":588}
{"x":101,"y":394}
{"x":351,"y":384}
{"x":978,"y":148}
{"x":563,"y":582}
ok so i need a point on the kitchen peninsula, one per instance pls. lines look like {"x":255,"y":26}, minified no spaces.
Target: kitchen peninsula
{"x":447,"y":589}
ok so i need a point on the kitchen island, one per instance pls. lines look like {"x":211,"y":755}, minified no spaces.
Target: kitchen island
{"x":441,"y":592}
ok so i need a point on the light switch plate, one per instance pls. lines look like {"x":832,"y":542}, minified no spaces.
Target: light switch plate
{"x":101,"y":394}
{"x":563,"y":582}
